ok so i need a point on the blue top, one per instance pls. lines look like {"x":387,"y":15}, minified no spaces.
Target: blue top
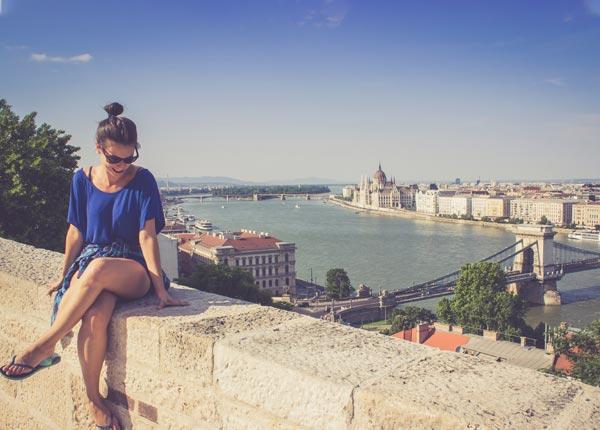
{"x":104,"y":217}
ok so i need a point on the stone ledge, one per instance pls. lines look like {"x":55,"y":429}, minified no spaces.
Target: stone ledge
{"x":222,"y":363}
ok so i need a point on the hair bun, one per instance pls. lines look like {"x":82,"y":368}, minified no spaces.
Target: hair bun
{"x":114,"y":109}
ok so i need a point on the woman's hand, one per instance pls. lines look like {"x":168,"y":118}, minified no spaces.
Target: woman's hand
{"x":54,"y":286}
{"x":165,"y":300}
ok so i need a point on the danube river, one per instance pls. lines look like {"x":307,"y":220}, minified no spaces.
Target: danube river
{"x":389,"y":253}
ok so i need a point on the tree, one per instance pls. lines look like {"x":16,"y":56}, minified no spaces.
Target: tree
{"x":481,"y":300}
{"x":544,"y":220}
{"x":226,"y":281}
{"x":36,"y":167}
{"x":408,"y":317}
{"x":338,"y":284}
{"x":444,"y":311}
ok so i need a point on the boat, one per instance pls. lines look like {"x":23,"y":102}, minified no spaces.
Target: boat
{"x":204,"y":225}
{"x":585,"y":235}
{"x":297,"y":206}
{"x":189,"y":218}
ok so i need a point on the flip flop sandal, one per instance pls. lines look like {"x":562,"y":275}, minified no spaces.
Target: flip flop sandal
{"x":47,"y":362}
{"x":108,"y":426}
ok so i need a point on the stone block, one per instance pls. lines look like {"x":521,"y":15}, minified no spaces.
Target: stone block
{"x":305,"y":370}
{"x":426,"y":395}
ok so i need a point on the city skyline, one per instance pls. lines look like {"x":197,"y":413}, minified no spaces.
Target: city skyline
{"x":319,"y":88}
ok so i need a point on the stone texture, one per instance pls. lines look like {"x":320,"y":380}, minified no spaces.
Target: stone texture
{"x":222,"y":363}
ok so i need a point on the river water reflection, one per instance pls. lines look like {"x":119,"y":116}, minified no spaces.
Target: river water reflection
{"x":389,"y":253}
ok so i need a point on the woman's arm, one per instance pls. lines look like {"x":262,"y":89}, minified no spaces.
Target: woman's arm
{"x":149,"y":245}
{"x":73,"y":246}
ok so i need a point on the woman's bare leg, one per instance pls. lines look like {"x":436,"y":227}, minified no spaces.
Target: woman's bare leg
{"x":91,"y":347}
{"x":123,"y":277}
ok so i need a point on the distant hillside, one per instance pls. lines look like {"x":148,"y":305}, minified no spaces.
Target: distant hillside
{"x":226,"y":180}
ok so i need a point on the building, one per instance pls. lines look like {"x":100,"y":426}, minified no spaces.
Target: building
{"x":377,"y":192}
{"x":167,"y":247}
{"x":427,"y":201}
{"x":586,"y":214}
{"x":556,"y":211}
{"x":270,"y":260}
{"x":454,"y":204}
{"x":490,"y":207}
{"x":347,"y":192}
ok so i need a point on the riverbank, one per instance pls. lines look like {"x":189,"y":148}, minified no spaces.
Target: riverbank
{"x":405,"y":213}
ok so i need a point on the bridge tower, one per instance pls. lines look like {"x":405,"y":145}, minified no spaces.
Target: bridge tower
{"x":537,"y":258}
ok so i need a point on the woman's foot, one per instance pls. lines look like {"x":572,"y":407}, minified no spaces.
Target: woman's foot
{"x":32,"y":356}
{"x":102,"y":415}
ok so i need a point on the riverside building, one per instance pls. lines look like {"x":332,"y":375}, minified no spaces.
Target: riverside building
{"x":490,"y":207}
{"x":378,"y":192}
{"x":427,"y":201}
{"x":454,"y":204}
{"x":269,"y":260}
{"x":586,"y":214}
{"x":557,"y":211}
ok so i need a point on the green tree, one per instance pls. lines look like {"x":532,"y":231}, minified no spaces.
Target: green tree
{"x":481,"y":300}
{"x":36,"y":167}
{"x":544,"y":220}
{"x":338,"y":284}
{"x":444,"y":311}
{"x":226,"y":281}
{"x":408,"y":317}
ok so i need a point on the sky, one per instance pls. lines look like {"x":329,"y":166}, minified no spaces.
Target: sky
{"x":277,"y":90}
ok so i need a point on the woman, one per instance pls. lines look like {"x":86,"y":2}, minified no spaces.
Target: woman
{"x":114,"y":214}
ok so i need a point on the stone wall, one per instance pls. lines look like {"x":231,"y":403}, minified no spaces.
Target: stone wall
{"x":222,"y":363}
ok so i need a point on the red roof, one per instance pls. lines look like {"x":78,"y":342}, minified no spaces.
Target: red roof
{"x":406,"y":335}
{"x":446,"y":341}
{"x":245,"y":242}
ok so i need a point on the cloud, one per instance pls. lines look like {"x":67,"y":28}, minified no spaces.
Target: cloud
{"x":557,"y":82}
{"x":16,"y":47}
{"x":44,"y":58}
{"x":328,"y":13}
{"x":593,"y":6}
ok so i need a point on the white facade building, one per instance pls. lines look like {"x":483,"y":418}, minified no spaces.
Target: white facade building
{"x":459,"y":205}
{"x":427,"y":201}
{"x":557,"y":211}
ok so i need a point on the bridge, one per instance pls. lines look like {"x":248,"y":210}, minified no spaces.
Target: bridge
{"x":533,"y":265}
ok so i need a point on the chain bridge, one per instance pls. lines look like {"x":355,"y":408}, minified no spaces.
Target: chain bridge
{"x":533,"y":265}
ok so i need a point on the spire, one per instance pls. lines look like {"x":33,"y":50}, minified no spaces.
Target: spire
{"x":380,"y":165}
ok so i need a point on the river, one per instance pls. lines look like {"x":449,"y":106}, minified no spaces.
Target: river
{"x":390,"y":253}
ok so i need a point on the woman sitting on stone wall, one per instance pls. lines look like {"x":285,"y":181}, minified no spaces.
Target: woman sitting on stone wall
{"x":114,"y":214}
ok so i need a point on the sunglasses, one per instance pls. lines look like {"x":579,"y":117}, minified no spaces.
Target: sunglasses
{"x":113,"y":159}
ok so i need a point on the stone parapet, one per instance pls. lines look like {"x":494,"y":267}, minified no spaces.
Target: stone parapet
{"x":222,"y":363}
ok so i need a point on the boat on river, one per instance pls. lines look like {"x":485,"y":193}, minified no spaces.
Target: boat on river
{"x":593,"y":235}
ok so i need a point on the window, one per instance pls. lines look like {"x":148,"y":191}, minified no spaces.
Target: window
{"x":256,"y":260}
{"x":277,"y":282}
{"x":270,"y":283}
{"x":243,"y":261}
{"x":270,"y":271}
{"x":264,"y":272}
{"x":286,"y":257}
{"x":287,"y":269}
{"x":237,"y":261}
{"x":264,"y":284}
{"x":263,"y":259}
{"x":287,"y":281}
{"x":270,"y":259}
{"x":276,"y":259}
